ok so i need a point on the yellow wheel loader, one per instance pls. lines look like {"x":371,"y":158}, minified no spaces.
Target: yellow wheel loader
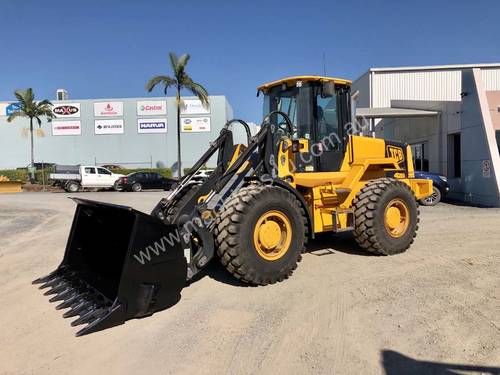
{"x":305,"y":172}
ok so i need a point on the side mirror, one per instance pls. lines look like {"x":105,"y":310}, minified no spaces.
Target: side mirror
{"x":327,"y":89}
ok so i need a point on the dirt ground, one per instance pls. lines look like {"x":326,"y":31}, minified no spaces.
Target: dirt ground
{"x":432,"y":310}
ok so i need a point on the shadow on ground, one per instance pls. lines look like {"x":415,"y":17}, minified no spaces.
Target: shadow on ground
{"x":395,"y":363}
{"x":324,"y":244}
{"x":328,"y":243}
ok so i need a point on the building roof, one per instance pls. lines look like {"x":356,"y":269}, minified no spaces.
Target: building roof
{"x":370,"y":113}
{"x":292,"y":80}
{"x":435,"y":67}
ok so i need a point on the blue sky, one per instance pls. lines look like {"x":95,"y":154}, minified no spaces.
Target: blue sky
{"x":99,"y":49}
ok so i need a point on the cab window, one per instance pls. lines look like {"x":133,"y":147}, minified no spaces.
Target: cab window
{"x":327,"y":117}
{"x":90,"y":170}
{"x":103,"y":171}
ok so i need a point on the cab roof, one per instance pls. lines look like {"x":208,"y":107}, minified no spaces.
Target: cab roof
{"x":291,"y":81}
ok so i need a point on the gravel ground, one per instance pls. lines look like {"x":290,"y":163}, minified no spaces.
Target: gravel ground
{"x":432,"y":310}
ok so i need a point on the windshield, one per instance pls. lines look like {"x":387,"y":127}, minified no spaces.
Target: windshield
{"x":295,"y":102}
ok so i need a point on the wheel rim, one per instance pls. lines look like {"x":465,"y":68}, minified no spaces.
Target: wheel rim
{"x":397,"y":217}
{"x":432,"y":198}
{"x":272,"y":235}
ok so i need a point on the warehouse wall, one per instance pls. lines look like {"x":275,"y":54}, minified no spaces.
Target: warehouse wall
{"x":128,"y":149}
{"x":478,"y":144}
{"x":494,"y":107}
{"x":471,"y":118}
{"x":362,"y":84}
{"x":433,"y":130}
{"x":418,"y":84}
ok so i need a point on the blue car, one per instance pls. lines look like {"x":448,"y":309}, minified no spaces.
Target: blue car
{"x":440,"y":187}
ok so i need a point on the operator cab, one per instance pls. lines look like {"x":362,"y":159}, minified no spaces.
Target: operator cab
{"x":319,"y":108}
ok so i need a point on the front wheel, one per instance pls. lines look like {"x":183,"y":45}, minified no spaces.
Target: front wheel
{"x":432,"y":199}
{"x":386,"y":216}
{"x":260,"y":234}
{"x":117,"y":187}
{"x":136,"y":187}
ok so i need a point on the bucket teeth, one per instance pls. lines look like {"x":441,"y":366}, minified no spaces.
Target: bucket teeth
{"x":63,"y":294}
{"x":57,"y":289}
{"x":88,"y":317}
{"x":69,"y":300}
{"x":82,"y":307}
{"x":42,"y":280}
{"x":53,"y":282}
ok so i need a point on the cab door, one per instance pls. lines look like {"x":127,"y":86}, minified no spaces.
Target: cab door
{"x":104,"y":177}
{"x":89,"y":177}
{"x":330,"y":115}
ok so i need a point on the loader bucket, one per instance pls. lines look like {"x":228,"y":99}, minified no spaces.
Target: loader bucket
{"x":119,"y":264}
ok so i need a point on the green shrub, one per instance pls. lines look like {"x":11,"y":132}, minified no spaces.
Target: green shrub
{"x":15,"y":174}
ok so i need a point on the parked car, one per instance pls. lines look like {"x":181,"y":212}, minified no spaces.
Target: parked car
{"x":440,"y":187}
{"x":73,"y":178}
{"x":138,"y":181}
{"x":111,"y":166}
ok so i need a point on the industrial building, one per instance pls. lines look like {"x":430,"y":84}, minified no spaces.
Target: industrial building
{"x":449,"y":114}
{"x":133,"y":132}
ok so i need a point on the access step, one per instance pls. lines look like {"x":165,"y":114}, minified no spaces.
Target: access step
{"x":349,"y":212}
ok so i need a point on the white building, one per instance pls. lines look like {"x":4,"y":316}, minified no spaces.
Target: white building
{"x":449,"y":114}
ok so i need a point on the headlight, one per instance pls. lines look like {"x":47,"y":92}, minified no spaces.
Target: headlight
{"x":443,"y":178}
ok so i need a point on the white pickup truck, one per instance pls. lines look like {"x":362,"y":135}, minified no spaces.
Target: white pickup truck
{"x":73,"y":178}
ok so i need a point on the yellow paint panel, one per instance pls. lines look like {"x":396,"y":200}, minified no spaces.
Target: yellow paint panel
{"x":11,"y":186}
{"x":291,"y":81}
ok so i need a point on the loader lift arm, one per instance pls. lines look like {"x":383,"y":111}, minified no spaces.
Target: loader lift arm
{"x":197,"y":219}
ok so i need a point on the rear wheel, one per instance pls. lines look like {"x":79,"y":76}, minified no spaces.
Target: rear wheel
{"x":136,"y":187}
{"x":386,"y":216}
{"x":260,"y":234}
{"x":72,"y":187}
{"x":432,"y":199}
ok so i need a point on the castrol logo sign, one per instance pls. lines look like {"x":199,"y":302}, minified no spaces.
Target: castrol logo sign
{"x":151,"y":107}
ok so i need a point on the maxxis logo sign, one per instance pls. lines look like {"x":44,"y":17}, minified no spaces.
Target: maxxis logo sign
{"x":66,"y":110}
{"x":151,"y":107}
{"x":151,"y":125}
{"x":108,"y":109}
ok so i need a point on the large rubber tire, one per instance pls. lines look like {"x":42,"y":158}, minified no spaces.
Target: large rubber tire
{"x":433,"y":199}
{"x":370,"y":206}
{"x":137,"y":187}
{"x":235,"y":227}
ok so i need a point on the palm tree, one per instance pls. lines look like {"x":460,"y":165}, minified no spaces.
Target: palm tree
{"x":180,"y":81}
{"x":31,"y":109}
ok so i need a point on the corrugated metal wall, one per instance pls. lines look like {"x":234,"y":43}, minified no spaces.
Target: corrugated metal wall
{"x":491,"y":78}
{"x":363,"y":85}
{"x":439,"y":85}
{"x":444,"y":85}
